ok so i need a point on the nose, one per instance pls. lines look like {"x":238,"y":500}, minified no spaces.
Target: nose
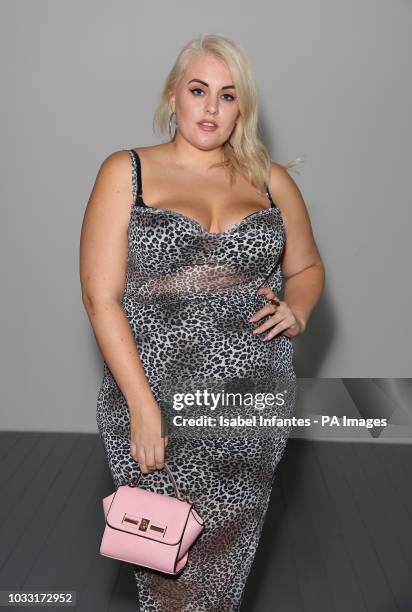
{"x":211,"y":107}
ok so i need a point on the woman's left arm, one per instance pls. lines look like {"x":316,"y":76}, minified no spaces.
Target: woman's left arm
{"x":301,"y":263}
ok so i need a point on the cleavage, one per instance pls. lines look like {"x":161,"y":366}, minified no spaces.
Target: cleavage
{"x":193,"y":219}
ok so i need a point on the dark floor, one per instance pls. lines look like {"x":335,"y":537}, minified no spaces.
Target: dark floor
{"x":337,"y":536}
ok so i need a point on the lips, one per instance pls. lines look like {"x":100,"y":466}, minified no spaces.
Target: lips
{"x":207,"y":123}
{"x":207,"y":128}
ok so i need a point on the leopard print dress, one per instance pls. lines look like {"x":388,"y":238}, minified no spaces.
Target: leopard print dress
{"x":188,"y":296}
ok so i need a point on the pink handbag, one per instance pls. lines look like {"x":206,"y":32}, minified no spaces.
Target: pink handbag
{"x":149,"y":529}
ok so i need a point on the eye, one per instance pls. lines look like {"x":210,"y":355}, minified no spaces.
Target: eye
{"x":201,"y":90}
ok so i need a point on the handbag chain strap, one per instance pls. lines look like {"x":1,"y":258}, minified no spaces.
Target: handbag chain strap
{"x":134,"y":482}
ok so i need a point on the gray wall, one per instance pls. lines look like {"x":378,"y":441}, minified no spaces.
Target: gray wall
{"x":81,"y":80}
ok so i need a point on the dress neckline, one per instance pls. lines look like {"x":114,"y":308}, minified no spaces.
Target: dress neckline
{"x":139,"y":203}
{"x":200,"y":226}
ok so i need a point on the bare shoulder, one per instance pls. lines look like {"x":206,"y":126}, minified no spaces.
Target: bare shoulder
{"x":287,"y":195}
{"x":113,"y":183}
{"x":111,"y":196}
{"x":116,"y":166}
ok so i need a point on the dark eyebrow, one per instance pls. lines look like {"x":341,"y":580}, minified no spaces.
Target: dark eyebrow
{"x":206,"y":85}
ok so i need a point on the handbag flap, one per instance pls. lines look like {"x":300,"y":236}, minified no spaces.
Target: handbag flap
{"x":150,"y":515}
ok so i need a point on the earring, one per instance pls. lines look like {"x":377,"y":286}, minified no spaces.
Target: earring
{"x":170,"y":126}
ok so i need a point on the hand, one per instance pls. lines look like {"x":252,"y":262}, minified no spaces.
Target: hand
{"x":147,"y":446}
{"x":283,"y":319}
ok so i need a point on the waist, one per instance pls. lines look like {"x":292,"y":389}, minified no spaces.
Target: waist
{"x":157,"y":294}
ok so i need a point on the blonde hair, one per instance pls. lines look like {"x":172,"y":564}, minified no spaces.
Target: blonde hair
{"x":244,"y":152}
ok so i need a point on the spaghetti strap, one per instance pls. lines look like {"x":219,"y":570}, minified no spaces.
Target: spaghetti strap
{"x":136,"y":178}
{"x":269,"y":195}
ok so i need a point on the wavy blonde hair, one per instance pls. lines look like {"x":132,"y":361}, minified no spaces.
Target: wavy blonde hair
{"x":244,"y":152}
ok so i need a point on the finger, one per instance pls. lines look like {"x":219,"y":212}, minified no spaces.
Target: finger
{"x":140,"y":458}
{"x":150,"y":458}
{"x":136,"y":452}
{"x":271,"y":322}
{"x":268,"y":309}
{"x":273,"y":303}
{"x":159,"y":457}
{"x":267,"y":292}
{"x":285,"y":329}
{"x":278,"y":329}
{"x":263,"y":290}
{"x":133,"y":449}
{"x":143,"y":468}
{"x":265,"y":310}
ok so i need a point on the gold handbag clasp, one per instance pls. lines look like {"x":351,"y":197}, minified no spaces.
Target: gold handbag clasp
{"x":143,"y":523}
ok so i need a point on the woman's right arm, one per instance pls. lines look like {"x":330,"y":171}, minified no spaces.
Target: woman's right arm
{"x":103,"y":266}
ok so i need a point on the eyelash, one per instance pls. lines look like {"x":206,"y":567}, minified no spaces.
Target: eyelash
{"x":198,"y":89}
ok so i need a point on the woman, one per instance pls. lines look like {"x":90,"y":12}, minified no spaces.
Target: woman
{"x":181,"y":244}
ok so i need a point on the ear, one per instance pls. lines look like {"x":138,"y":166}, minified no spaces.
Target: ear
{"x":172,"y":102}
